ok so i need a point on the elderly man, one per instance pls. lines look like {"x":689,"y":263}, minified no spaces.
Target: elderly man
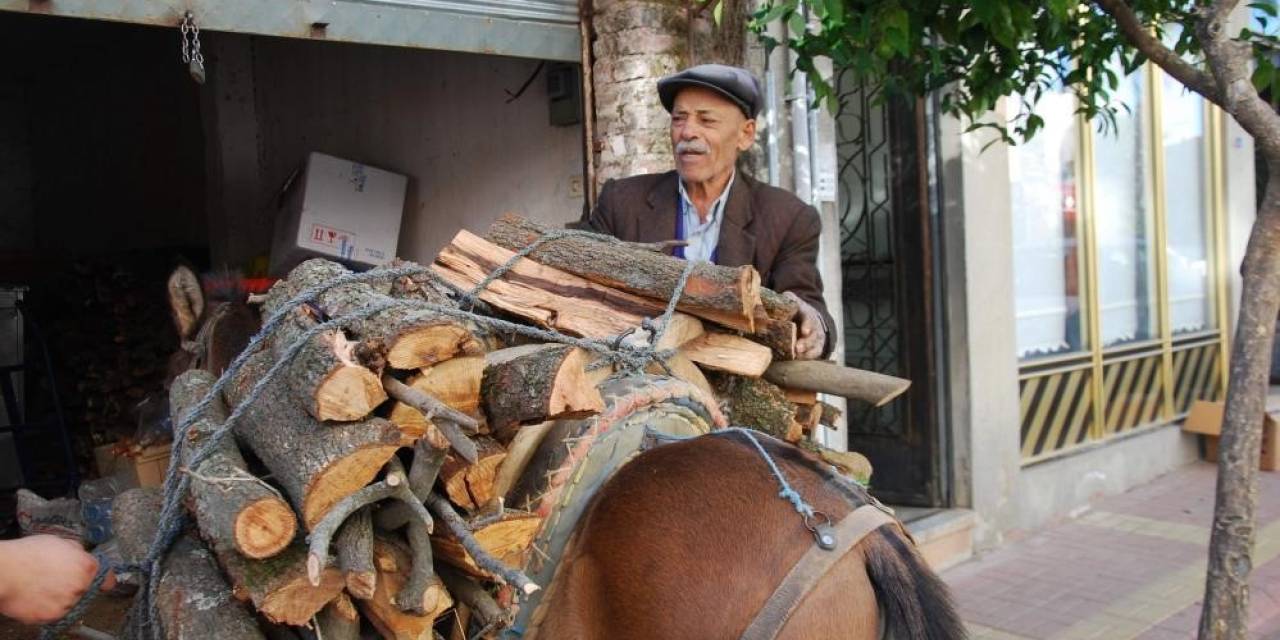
{"x":724,"y":216}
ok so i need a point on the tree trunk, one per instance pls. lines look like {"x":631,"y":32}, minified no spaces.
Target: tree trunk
{"x":317,"y":464}
{"x":725,"y":295}
{"x":1226,"y":604}
{"x":228,"y":502}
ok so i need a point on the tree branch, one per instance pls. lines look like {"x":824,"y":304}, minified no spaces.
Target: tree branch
{"x":1144,"y":41}
{"x":1231,"y":61}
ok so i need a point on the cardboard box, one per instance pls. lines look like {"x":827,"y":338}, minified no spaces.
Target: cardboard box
{"x":145,"y":468}
{"x":1205,"y":418}
{"x":338,"y":209}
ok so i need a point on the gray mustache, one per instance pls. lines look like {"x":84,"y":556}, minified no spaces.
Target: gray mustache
{"x":691,"y":146}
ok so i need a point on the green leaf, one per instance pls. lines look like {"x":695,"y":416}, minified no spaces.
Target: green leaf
{"x":796,"y":24}
{"x":718,"y":12}
{"x":835,"y":9}
{"x":776,"y":11}
{"x":1264,"y":7}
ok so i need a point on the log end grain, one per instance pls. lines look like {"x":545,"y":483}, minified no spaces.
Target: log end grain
{"x":362,"y":584}
{"x":296,"y":603}
{"x":425,"y":346}
{"x":265,"y":528}
{"x":342,"y":478}
{"x":349,"y":392}
{"x":509,"y":540}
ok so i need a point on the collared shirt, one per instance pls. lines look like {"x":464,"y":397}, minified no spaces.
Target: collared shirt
{"x":703,"y":237}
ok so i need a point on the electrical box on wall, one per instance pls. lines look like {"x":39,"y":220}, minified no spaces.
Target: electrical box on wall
{"x":564,"y":93}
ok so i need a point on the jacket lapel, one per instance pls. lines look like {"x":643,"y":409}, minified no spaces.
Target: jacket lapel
{"x":737,"y":242}
{"x":662,"y":199}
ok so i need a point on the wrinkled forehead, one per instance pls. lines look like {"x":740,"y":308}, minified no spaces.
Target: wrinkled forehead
{"x":694,"y":100}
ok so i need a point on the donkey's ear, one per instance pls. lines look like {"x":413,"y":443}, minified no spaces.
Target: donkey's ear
{"x":186,"y":301}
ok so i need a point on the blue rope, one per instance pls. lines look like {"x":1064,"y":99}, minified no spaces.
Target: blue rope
{"x":788,"y":493}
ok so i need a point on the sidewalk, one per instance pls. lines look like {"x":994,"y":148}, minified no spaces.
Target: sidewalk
{"x":1131,"y":567}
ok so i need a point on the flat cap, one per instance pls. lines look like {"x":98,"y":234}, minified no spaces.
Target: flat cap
{"x":734,"y":83}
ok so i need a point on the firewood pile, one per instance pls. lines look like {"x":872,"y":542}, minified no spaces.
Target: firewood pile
{"x":386,"y":477}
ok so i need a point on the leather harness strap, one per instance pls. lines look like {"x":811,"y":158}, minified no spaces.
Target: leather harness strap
{"x":811,"y":567}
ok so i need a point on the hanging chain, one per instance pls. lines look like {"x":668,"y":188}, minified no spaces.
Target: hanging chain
{"x":191,"y":47}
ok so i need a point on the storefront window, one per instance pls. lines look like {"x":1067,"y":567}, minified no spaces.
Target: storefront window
{"x":1046,"y":249}
{"x":1186,"y":209}
{"x":1124,"y":218}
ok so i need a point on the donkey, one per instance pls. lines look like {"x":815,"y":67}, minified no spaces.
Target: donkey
{"x":691,"y":539}
{"x":210,"y":335}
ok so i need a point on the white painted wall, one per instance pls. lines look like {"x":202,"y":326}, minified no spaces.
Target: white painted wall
{"x":443,"y":119}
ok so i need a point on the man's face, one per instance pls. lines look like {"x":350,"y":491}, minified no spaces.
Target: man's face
{"x":707,"y":133}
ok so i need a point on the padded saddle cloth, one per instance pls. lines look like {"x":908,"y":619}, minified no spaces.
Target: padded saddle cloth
{"x":577,"y":457}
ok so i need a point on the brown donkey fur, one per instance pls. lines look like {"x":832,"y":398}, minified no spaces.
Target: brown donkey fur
{"x":690,"y":539}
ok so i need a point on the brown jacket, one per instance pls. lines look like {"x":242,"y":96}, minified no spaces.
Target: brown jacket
{"x":763,"y":226}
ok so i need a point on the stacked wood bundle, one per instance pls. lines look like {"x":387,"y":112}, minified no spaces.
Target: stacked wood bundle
{"x":370,"y":481}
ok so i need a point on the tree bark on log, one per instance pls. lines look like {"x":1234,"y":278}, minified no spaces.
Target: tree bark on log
{"x":193,"y":596}
{"x":474,"y":596}
{"x":354,"y":543}
{"x":725,"y":295}
{"x":279,"y":587}
{"x":471,"y":485}
{"x":873,"y":388}
{"x":394,"y":563}
{"x":754,"y":403}
{"x":407,"y":338}
{"x":228,"y":502}
{"x":535,"y":383}
{"x":317,"y":464}
{"x":519,"y":452}
{"x":339,"y":620}
{"x":326,"y":377}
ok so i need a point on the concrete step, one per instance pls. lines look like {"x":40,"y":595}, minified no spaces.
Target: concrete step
{"x":943,"y":536}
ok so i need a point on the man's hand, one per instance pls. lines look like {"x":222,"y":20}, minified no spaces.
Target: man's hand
{"x":42,"y":577}
{"x":811,"y":333}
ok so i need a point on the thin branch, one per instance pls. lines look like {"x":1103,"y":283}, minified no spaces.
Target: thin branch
{"x":447,"y":419}
{"x":1141,"y":38}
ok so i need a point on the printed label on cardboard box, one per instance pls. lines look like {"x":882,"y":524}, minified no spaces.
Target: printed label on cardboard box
{"x":337,"y":241}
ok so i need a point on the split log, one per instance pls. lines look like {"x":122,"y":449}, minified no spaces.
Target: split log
{"x":279,"y":587}
{"x":754,"y":403}
{"x":228,"y":502}
{"x":544,"y":296}
{"x":680,"y":366}
{"x":471,"y":485}
{"x":394,"y":564}
{"x":830,"y":414}
{"x":534,"y":383}
{"x":507,"y":540}
{"x":519,"y":453}
{"x":727,"y":352}
{"x":339,"y":620}
{"x":446,"y":421}
{"x":317,"y":464}
{"x":801,"y":396}
{"x":808,"y":416}
{"x":681,"y":329}
{"x":354,"y":543}
{"x":326,"y":376}
{"x":193,"y":596}
{"x":873,"y":388}
{"x":454,"y":382}
{"x":407,"y":338}
{"x":725,"y":295}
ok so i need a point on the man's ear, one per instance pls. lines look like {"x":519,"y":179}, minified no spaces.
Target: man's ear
{"x":747,"y":135}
